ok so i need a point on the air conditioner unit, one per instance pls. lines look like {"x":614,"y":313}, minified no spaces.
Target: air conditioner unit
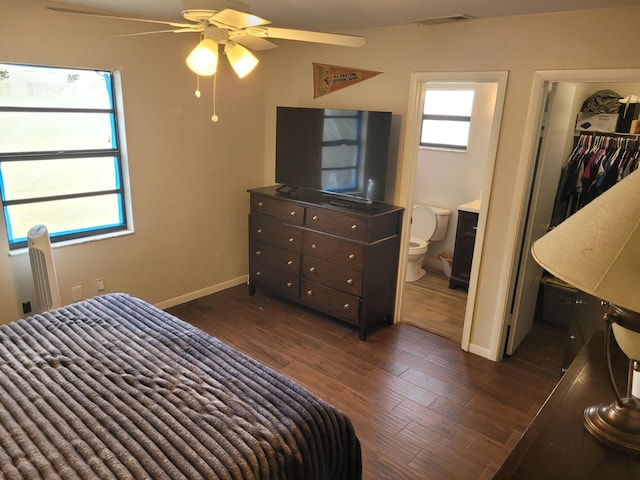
{"x":42,"y":268}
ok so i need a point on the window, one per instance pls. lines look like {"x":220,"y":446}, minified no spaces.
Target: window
{"x":61,"y":161}
{"x":341,"y":144}
{"x":446,"y":118}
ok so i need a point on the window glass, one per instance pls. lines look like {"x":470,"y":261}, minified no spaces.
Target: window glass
{"x":46,"y":131}
{"x":445,"y":132}
{"x":30,"y":86}
{"x":446,"y":118}
{"x":448,"y":102}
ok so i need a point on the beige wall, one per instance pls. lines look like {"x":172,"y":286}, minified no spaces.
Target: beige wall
{"x":188,"y":175}
{"x":597,"y":39}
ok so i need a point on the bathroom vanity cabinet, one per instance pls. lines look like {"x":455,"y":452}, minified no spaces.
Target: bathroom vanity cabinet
{"x":339,"y":259}
{"x":463,"y":249}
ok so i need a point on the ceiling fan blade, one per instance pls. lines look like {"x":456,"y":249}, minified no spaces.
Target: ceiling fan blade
{"x":250,"y":41}
{"x":119,"y":17}
{"x":237,"y":19}
{"x":308,"y":36}
{"x":179,"y":30}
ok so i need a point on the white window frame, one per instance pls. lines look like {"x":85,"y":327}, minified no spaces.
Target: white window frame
{"x":118,"y":152}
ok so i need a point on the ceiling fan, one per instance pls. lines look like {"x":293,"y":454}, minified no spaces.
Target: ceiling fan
{"x":227,"y":23}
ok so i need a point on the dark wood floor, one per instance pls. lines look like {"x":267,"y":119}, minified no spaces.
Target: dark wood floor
{"x":422,"y":408}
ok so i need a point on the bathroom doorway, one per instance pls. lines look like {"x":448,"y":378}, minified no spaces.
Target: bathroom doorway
{"x":448,"y":178}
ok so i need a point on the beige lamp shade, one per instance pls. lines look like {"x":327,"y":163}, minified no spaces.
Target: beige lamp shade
{"x":597,"y":249}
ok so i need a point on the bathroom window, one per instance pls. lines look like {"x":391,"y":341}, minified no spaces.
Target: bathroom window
{"x":446,"y":118}
{"x":61,"y":153}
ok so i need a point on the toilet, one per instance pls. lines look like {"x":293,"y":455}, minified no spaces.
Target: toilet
{"x":428,"y":224}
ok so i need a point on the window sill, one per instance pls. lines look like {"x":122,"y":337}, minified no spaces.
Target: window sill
{"x":76,"y":241}
{"x":443,"y":149}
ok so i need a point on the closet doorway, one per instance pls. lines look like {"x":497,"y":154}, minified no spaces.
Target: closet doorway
{"x":559,"y":97}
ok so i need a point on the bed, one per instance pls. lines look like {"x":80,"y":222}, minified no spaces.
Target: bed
{"x":112,"y":387}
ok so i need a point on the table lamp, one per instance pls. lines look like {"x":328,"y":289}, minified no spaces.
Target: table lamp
{"x":597,"y":250}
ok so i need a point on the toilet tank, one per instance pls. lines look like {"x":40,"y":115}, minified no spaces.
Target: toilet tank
{"x":442,"y":221}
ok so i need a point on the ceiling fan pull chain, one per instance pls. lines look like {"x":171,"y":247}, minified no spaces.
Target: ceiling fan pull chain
{"x":198,"y":86}
{"x":214,"y":117}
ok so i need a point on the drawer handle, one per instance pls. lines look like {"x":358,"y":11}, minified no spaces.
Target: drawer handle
{"x":475,"y":228}
{"x":289,"y":284}
{"x":258,"y":274}
{"x":314,"y":218}
{"x":293,"y":213}
{"x":290,"y":239}
{"x":346,"y":306}
{"x":313,"y":245}
{"x":260,"y":204}
{"x":354,"y":227}
{"x":352,"y":256}
{"x":258,"y":252}
{"x":290,"y":262}
{"x":310,"y":292}
{"x":259,"y":230}
{"x":350,"y":281}
{"x":312,"y":269}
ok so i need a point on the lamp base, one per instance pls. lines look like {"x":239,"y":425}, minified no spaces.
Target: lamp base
{"x":615,"y":424}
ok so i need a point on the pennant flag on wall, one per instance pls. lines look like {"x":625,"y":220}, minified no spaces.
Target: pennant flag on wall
{"x":329,"y":78}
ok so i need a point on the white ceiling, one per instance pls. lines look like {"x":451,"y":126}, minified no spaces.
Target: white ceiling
{"x":340,"y":15}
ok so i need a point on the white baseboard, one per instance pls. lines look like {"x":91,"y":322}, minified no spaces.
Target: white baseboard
{"x":187,"y":297}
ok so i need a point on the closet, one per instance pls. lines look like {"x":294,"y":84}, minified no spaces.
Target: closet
{"x":596,"y":162}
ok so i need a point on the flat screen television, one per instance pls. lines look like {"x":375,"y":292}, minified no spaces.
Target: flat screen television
{"x":340,"y":152}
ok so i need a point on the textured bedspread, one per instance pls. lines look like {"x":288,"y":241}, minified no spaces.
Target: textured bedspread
{"x":114,"y":388}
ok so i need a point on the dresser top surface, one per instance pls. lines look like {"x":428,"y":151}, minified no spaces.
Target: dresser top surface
{"x":320,"y":199}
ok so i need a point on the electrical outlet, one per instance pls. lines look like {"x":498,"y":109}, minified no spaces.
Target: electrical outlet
{"x":76,"y":292}
{"x":99,"y":284}
{"x":26,"y":307}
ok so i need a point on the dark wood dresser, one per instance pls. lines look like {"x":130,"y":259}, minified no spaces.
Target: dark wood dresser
{"x":339,"y":259}
{"x":557,"y":445}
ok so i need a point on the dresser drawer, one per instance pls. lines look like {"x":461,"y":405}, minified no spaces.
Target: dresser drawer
{"x":332,"y":275}
{"x":344,"y":225}
{"x":274,"y":233}
{"x":277,"y":281}
{"x":348,"y":254}
{"x":330,"y":301}
{"x":286,"y":211}
{"x":265,"y":257}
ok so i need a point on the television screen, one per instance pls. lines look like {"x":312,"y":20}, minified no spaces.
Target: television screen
{"x":342,"y":152}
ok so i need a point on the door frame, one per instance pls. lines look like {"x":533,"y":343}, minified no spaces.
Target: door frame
{"x":525,"y":179}
{"x":407,"y":171}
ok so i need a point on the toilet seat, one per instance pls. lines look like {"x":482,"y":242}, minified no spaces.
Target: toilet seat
{"x":417,"y":245}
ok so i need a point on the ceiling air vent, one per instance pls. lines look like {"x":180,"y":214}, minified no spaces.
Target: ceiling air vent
{"x":439,"y":20}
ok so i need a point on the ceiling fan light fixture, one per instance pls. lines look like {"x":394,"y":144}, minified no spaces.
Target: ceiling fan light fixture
{"x":240,"y":58}
{"x":203,"y":60}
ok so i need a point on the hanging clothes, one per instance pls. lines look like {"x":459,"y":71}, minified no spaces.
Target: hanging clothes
{"x":597,"y":162}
